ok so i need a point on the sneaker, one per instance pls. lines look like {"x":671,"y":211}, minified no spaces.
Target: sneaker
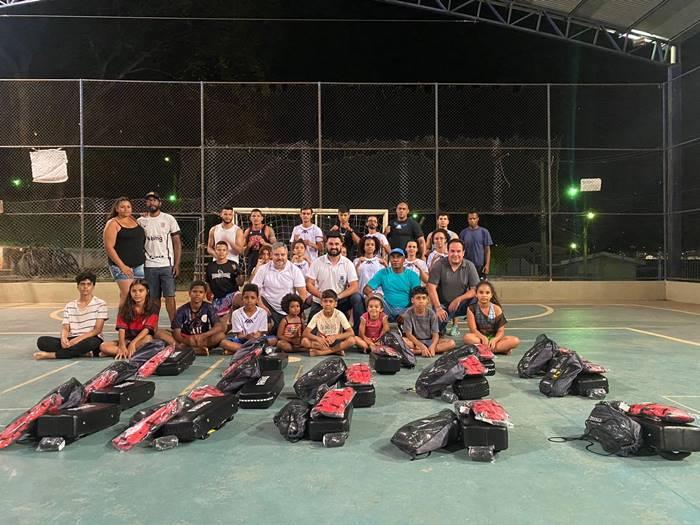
{"x":453,"y":330}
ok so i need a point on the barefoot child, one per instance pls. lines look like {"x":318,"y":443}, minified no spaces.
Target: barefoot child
{"x":196,"y":323}
{"x":299,"y":257}
{"x":249,"y":322}
{"x":373,"y":325}
{"x":487,"y":324}
{"x":421,"y":328}
{"x":83,"y":321}
{"x":329,"y":331}
{"x":137,"y":321}
{"x":292,"y":325}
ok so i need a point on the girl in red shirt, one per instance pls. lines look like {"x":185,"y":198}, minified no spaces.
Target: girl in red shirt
{"x":137,"y":322}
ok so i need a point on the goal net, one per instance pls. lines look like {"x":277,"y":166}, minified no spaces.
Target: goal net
{"x":283,"y":220}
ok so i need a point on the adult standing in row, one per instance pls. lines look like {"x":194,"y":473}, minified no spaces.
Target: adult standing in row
{"x":383,"y":247}
{"x":335,"y":272}
{"x":452,"y":284}
{"x":403,"y":229}
{"x":230,"y":233}
{"x":124,"y":241}
{"x":347,"y":233}
{"x":477,"y":244}
{"x":276,"y":279}
{"x":257,"y":235}
{"x":308,"y":232}
{"x":443,"y":223}
{"x":163,"y":249}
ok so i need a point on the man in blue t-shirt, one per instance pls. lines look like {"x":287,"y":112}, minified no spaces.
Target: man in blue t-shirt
{"x":477,"y":244}
{"x":396,"y":283}
{"x":403,"y":229}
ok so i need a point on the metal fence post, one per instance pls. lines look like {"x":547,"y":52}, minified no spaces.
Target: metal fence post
{"x":549,"y":178}
{"x":82,"y":176}
{"x":201,"y":151}
{"x":320,"y":151}
{"x":437,"y":156}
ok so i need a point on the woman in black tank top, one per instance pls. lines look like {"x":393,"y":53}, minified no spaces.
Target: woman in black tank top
{"x":254,"y":239}
{"x":124,"y":244}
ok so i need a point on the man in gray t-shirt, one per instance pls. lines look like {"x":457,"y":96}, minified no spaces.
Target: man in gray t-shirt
{"x":452,"y":284}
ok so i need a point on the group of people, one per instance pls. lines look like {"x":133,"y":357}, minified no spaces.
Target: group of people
{"x":300,"y":301}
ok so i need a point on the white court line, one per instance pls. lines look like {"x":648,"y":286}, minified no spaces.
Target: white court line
{"x":37,"y":378}
{"x":296,"y":376}
{"x":654,"y":334}
{"x":673,"y":400}
{"x":12,"y":409}
{"x":660,"y":308}
{"x":201,"y":376}
{"x":545,"y":328}
{"x":682,"y":396}
{"x":548,"y":310}
{"x":57,"y":314}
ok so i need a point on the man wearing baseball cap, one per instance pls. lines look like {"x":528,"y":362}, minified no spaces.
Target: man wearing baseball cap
{"x":396,"y":283}
{"x":163,"y":248}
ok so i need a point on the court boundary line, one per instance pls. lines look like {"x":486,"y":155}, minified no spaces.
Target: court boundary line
{"x":37,"y":378}
{"x":662,"y":336}
{"x":673,"y":400}
{"x":201,"y":376}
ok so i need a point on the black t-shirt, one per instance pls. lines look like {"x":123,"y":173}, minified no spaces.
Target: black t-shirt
{"x":403,"y":231}
{"x":347,"y":237}
{"x":222,"y":278}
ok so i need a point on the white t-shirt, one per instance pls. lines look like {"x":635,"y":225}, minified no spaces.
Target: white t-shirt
{"x":303,"y":266}
{"x":366,"y":270}
{"x":229,"y":237}
{"x":159,"y":243}
{"x":415,"y":266}
{"x":333,"y":325}
{"x":329,"y":276}
{"x":275,"y":284}
{"x":313,"y":233}
{"x":81,"y":321}
{"x":244,"y":325}
{"x":435,"y":256}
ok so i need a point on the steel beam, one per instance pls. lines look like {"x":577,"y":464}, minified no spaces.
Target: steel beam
{"x":549,"y":23}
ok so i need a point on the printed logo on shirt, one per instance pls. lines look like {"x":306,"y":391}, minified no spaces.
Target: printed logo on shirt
{"x":221,"y":275}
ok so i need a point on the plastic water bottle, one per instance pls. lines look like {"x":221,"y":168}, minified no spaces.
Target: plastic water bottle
{"x":51,"y":444}
{"x":334,"y":439}
{"x":166,"y":442}
{"x":448,"y":395}
{"x":485,"y":454}
{"x":597,"y":393}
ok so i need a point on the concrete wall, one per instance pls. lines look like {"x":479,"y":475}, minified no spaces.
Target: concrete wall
{"x":509,"y":291}
{"x":683,"y":292}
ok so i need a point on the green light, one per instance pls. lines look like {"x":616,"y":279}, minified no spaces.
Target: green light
{"x":16,"y":182}
{"x":166,"y":159}
{"x":572,"y":192}
{"x":590,"y":215}
{"x":172,"y":197}
{"x":415,"y":215}
{"x":573,"y":245}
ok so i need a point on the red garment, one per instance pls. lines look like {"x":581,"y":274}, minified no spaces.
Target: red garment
{"x":592,"y":368}
{"x":359,"y":374}
{"x":484,"y":352}
{"x":660,"y":413}
{"x":472,"y":366}
{"x":148,"y":426}
{"x":137,"y":325}
{"x":204,"y":392}
{"x":19,"y":426}
{"x":490,"y":411}
{"x":333,"y":403}
{"x":149,"y":367}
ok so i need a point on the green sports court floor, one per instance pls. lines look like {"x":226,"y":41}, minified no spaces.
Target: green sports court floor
{"x":246,"y":473}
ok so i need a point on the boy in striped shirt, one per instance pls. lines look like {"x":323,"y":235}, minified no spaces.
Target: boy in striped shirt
{"x":83,"y":321}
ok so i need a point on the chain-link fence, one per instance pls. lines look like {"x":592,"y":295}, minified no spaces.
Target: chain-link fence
{"x":511,"y":152}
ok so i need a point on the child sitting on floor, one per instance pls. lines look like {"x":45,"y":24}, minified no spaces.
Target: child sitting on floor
{"x":249,"y":322}
{"x":329,"y":331}
{"x":373,"y":325}
{"x":487,"y":324}
{"x":292,"y":325}
{"x":137,"y":321}
{"x":196,"y":324}
{"x":421,"y":328}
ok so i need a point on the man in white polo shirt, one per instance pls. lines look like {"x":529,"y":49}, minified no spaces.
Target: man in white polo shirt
{"x":276,"y":279}
{"x":335,"y":272}
{"x":308,"y":232}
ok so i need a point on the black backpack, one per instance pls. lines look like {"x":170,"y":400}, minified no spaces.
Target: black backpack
{"x":616,"y":432}
{"x":394,"y":340}
{"x":563,"y":370}
{"x":535,"y":361}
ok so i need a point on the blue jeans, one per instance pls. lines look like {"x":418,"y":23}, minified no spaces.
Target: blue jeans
{"x":461,"y":311}
{"x":160,"y":281}
{"x":392,"y":312}
{"x":118,"y":275}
